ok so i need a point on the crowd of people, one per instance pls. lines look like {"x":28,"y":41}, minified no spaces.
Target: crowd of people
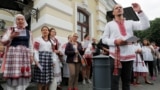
{"x":55,"y":61}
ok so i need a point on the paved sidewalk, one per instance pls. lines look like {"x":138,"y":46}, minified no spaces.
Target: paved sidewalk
{"x":141,"y":86}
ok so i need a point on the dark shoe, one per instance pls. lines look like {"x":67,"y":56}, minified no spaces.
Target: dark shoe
{"x":59,"y":88}
{"x":147,"y":82}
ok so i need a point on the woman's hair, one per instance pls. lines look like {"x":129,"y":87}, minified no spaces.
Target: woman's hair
{"x":74,"y":34}
{"x":44,"y":27}
{"x":148,"y":42}
{"x":52,"y":29}
{"x":69,"y":36}
{"x":86,"y":35}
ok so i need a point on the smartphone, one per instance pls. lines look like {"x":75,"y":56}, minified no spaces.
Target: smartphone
{"x":16,"y":30}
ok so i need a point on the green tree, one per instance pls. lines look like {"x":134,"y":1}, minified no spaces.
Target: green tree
{"x":152,"y":33}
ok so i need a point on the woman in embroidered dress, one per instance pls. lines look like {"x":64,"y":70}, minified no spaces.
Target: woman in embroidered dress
{"x":18,"y":56}
{"x":74,"y":61}
{"x":43,"y":71}
{"x":139,"y":67}
{"x":147,"y":51}
{"x":57,"y":56}
{"x":87,"y":46}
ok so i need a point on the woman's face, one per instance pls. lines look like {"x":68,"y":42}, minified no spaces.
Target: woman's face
{"x":75,"y":37}
{"x":53,"y":33}
{"x":145,"y":42}
{"x":45,"y":31}
{"x":20,"y":21}
{"x":87,"y":38}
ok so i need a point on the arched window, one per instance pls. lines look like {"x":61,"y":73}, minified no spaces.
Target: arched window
{"x":82,"y":24}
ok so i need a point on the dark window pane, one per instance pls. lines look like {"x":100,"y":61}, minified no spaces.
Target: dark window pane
{"x":79,"y":35}
{"x":77,"y":16}
{"x":82,"y":24}
{"x":84,"y":29}
{"x":79,"y":27}
{"x":84,"y":19}
{"x":81,"y":18}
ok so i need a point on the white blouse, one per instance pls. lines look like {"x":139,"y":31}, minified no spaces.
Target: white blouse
{"x":43,"y":46}
{"x":88,"y":45}
{"x":147,"y":53}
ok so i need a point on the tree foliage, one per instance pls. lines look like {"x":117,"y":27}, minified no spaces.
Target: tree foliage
{"x":152,"y":33}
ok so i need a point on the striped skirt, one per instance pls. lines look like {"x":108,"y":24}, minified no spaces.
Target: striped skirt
{"x":45,"y":75}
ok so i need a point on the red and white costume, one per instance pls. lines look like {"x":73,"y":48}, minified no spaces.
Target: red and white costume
{"x":115,"y":31}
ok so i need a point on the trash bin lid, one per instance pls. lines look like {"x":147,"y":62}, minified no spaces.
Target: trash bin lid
{"x":101,"y":56}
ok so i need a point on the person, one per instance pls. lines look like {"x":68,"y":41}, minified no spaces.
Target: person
{"x":139,"y":67}
{"x":18,"y":55}
{"x":43,"y":71}
{"x":96,"y":50}
{"x":2,"y":51}
{"x":147,"y":52}
{"x":122,"y":53}
{"x":87,"y":46}
{"x":65,"y":65}
{"x":57,"y":58}
{"x":103,"y":47}
{"x":73,"y":51}
{"x":156,"y":58}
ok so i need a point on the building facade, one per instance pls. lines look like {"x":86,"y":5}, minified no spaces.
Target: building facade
{"x":67,"y":17}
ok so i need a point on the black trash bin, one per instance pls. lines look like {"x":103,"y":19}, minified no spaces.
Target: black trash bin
{"x":101,"y":73}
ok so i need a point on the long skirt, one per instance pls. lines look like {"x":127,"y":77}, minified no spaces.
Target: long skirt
{"x":17,"y":65}
{"x":139,"y":67}
{"x":17,"y":62}
{"x":45,"y":75}
{"x":57,"y":68}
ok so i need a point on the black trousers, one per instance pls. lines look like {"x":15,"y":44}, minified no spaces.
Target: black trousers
{"x":124,"y":73}
{"x":150,"y":66}
{"x":158,"y":66}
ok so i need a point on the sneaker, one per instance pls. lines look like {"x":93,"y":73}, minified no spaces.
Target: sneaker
{"x":84,"y":82}
{"x":89,"y":81}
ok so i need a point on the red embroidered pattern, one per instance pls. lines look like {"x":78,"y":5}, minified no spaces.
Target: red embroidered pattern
{"x":122,"y":28}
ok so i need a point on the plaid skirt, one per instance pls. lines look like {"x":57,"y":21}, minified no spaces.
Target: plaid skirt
{"x":45,"y":76}
{"x":18,"y":63}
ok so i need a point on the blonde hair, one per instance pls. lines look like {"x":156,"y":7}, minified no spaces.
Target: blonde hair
{"x":74,"y":34}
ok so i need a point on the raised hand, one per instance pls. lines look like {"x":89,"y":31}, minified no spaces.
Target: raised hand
{"x":136,"y":7}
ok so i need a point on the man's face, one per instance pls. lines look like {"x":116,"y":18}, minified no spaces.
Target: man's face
{"x":117,"y":10}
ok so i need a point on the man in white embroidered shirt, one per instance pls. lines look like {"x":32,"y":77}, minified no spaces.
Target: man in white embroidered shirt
{"x":121,"y":52}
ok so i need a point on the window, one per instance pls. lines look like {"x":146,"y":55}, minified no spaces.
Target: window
{"x":82,"y":24}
